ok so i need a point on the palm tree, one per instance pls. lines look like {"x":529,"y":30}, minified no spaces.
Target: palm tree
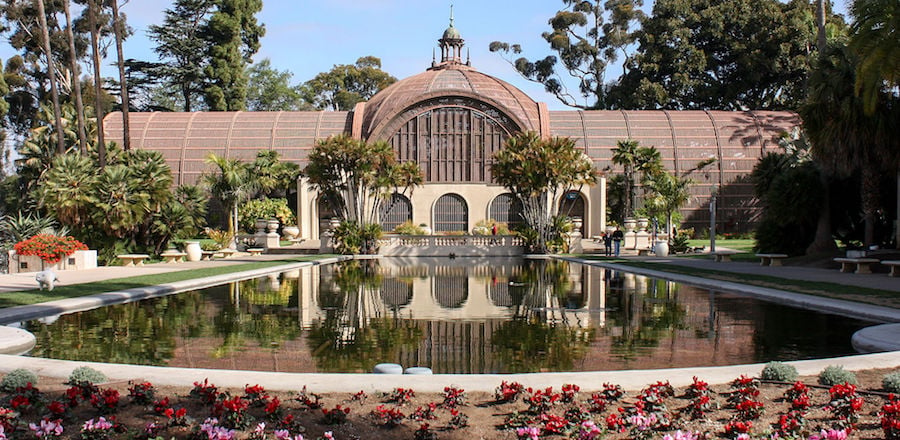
{"x":231,"y":185}
{"x":122,"y":204}
{"x":875,"y":38}
{"x":67,"y":189}
{"x":668,"y":193}
{"x":633,"y":158}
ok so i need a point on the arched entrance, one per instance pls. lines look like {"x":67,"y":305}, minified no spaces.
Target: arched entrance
{"x":572,"y":205}
{"x":451,"y":214}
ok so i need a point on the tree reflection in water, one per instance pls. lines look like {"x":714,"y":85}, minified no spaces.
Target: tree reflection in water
{"x":354,"y":336}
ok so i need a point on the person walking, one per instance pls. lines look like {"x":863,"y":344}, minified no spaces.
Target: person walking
{"x":607,"y":243}
{"x":617,"y":237}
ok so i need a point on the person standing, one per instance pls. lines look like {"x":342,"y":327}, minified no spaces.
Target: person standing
{"x":607,"y":243}
{"x":617,"y":237}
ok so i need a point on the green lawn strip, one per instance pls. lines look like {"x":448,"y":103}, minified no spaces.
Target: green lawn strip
{"x":817,"y":288}
{"x":738,"y":244}
{"x":26,"y":297}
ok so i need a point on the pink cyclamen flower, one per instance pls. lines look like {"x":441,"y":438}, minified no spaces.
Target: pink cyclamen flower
{"x":589,"y":431}
{"x":328,"y":435}
{"x":47,"y":428}
{"x":2,"y":433}
{"x":681,"y":435}
{"x":284,"y":434}
{"x":831,"y":434}
{"x":529,"y":432}
{"x":100,"y":424}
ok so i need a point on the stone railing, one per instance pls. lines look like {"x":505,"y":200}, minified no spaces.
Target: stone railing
{"x":451,"y":245}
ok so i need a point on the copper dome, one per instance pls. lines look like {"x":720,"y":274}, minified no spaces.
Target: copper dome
{"x":446,"y":85}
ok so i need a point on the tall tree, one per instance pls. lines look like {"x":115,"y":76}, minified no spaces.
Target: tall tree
{"x":729,"y":55}
{"x":93,"y":11}
{"x":875,"y":37}
{"x":231,"y":183}
{"x":344,"y":85}
{"x":587,"y":36}
{"x":233,"y":36}
{"x":51,"y":75}
{"x":119,"y":31}
{"x":538,"y":172}
{"x":270,"y":90}
{"x":182,"y":48}
{"x":76,"y":79}
{"x":633,"y":158}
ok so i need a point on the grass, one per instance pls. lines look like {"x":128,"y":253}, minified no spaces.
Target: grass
{"x":26,"y":297}
{"x":742,"y":245}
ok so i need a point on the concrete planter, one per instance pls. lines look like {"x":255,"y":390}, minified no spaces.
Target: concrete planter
{"x":32,"y":263}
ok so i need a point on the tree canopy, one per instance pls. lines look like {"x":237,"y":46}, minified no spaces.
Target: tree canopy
{"x":269,"y":89}
{"x":344,"y":85}
{"x":232,"y":34}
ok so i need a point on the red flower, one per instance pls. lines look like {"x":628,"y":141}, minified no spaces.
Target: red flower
{"x":50,"y":248}
{"x":19,"y":401}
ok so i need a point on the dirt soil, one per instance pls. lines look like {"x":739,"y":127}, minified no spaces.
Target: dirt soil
{"x":486,"y":416}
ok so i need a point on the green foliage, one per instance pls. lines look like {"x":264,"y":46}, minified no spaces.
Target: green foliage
{"x":232,"y":34}
{"x":835,"y":374}
{"x":409,"y":228}
{"x":266,"y":209}
{"x":486,"y":227}
{"x":220,"y":237}
{"x":587,"y":36}
{"x":891,"y":382}
{"x":273,"y":176}
{"x":633,"y":158}
{"x":679,"y":243}
{"x":344,"y":85}
{"x":18,"y":378}
{"x":727,"y":55}
{"x":779,"y":371}
{"x":790,"y":192}
{"x":231,"y":183}
{"x":350,"y":238}
{"x":85,"y":374}
{"x":875,"y":37}
{"x":537,"y":171}
{"x":269,"y":90}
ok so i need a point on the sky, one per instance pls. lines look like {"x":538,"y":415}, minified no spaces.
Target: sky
{"x":306,"y":37}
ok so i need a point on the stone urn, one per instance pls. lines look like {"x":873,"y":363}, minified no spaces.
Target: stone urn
{"x":272,"y":225}
{"x":642,"y":223}
{"x":577,"y":223}
{"x":630,"y":223}
{"x":290,"y":232}
{"x":661,"y":248}
{"x":193,"y":250}
{"x":261,"y":225}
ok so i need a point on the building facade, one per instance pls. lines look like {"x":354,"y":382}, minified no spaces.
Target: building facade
{"x":451,"y":119}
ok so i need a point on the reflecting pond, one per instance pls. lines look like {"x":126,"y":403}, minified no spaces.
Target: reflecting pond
{"x":452,"y":315}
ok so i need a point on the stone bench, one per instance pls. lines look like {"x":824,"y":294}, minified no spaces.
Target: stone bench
{"x":227,"y":252}
{"x":644,"y":252}
{"x":255,"y":251}
{"x":723,"y":256}
{"x":207,"y":255}
{"x":894,"y":265}
{"x":133,"y":259}
{"x":856,"y":265}
{"x":771,"y":259}
{"x":172,"y":256}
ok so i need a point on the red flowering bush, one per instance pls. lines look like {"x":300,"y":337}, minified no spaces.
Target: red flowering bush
{"x":890,"y":418}
{"x":845,"y":404}
{"x":508,"y":392}
{"x":49,"y":248}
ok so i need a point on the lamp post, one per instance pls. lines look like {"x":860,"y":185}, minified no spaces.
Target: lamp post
{"x":712,"y":219}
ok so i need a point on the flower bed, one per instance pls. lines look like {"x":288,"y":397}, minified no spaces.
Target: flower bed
{"x":49,"y":248}
{"x":745,"y":409}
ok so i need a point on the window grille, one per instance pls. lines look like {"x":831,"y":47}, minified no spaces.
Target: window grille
{"x":507,"y":209}
{"x":395,"y":212}
{"x":572,"y":205}
{"x":451,"y":214}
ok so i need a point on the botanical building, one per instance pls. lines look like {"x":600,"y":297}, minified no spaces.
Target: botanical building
{"x":450,"y":119}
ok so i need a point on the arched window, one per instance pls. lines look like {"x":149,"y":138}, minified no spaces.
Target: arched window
{"x":395,"y":211}
{"x":451,"y":214}
{"x":507,"y":209}
{"x":450,"y":144}
{"x":572,"y":205}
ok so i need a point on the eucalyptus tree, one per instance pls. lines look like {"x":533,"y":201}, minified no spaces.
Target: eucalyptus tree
{"x":76,"y":78}
{"x":120,"y":32}
{"x":587,"y":36}
{"x":345,"y":85}
{"x":538,"y":172}
{"x":51,"y":76}
{"x":269,"y":89}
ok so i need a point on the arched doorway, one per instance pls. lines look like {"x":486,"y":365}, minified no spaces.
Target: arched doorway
{"x":505,"y":208}
{"x":572,"y":205}
{"x":395,"y":212}
{"x":451,"y":214}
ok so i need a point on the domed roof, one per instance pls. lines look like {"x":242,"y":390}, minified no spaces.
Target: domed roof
{"x":438,"y":87}
{"x":451,"y":33}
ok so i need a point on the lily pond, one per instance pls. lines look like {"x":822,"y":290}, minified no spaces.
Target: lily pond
{"x":451,"y":315}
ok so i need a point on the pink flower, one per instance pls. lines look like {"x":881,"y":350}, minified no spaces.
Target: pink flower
{"x":47,"y":428}
{"x":530,"y":432}
{"x":681,"y":435}
{"x":831,"y":434}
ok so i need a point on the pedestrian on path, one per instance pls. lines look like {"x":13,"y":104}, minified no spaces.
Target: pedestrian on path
{"x":607,"y":243}
{"x":617,"y":237}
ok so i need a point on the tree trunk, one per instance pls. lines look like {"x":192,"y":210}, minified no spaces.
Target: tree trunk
{"x":51,"y":74}
{"x":76,"y":81}
{"x":870,"y":196}
{"x":98,"y":82}
{"x":820,"y":23}
{"x":123,"y":86}
{"x":824,"y":241}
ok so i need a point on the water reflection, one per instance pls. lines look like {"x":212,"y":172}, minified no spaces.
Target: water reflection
{"x":455,"y":316}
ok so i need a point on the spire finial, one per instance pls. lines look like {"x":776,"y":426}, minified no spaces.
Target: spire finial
{"x":451,"y":14}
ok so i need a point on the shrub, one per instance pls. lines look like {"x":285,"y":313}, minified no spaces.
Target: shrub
{"x":17,"y":378}
{"x":486,"y":227}
{"x":409,"y":228}
{"x":835,"y":374}
{"x":84,"y":374}
{"x":264,"y":208}
{"x":222,"y":238}
{"x":891,"y":383}
{"x":779,"y":371}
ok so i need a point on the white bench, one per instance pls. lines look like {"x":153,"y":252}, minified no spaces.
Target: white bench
{"x":207,"y":255}
{"x":856,"y":265}
{"x":227,"y":252}
{"x":644,"y":252}
{"x":894,"y":265}
{"x":172,"y":256}
{"x":771,"y":259}
{"x":723,"y":256}
{"x":255,"y":251}
{"x":133,"y":259}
